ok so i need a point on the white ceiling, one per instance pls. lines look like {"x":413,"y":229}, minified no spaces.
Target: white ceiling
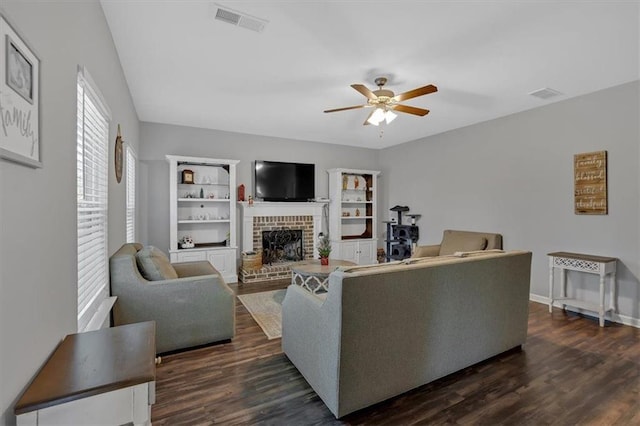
{"x":185,"y":68}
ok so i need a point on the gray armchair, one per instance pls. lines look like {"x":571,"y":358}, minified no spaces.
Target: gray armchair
{"x":192,"y":308}
{"x":455,"y":241}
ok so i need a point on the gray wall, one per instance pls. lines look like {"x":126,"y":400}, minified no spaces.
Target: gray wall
{"x":159,"y":140}
{"x":514,"y":175}
{"x":38,"y":274}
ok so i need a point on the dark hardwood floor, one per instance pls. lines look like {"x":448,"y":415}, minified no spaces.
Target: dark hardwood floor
{"x":570,"y":372}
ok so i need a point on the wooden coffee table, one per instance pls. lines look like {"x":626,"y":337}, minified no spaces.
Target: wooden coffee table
{"x":313,"y":276}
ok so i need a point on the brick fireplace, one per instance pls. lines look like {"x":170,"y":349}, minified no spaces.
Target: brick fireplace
{"x":270,"y":217}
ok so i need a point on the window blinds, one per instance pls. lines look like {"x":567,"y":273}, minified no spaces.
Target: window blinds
{"x":92,"y":191}
{"x":130,"y":161}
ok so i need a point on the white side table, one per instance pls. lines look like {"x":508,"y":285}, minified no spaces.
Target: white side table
{"x":103,"y":377}
{"x":599,"y":265}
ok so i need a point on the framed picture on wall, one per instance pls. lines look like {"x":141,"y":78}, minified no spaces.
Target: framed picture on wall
{"x":19,"y":98}
{"x":590,"y":183}
{"x":19,"y":71}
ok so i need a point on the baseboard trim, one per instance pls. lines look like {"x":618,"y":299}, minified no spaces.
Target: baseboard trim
{"x":620,"y":319}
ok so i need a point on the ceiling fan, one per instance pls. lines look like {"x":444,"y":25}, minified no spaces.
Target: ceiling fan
{"x":385,"y":102}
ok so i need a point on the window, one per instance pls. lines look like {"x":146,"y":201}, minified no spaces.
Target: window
{"x":130,"y":161}
{"x":92,"y":194}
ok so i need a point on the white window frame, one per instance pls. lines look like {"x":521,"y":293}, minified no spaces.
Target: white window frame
{"x":130,"y":165}
{"x":92,"y":148}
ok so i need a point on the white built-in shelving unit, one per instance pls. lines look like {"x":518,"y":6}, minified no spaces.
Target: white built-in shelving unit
{"x":204,"y":210}
{"x":352,"y":214}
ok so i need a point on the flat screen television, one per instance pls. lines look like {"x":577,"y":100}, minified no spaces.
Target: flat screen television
{"x":278,"y":181}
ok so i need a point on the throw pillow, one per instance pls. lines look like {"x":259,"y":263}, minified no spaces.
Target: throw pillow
{"x":154,"y":265}
{"x":456,"y":242}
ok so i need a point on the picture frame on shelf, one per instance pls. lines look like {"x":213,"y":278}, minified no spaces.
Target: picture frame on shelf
{"x":187,"y":176}
{"x":19,"y":98}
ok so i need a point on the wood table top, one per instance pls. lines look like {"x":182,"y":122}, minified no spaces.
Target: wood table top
{"x":313,"y":267}
{"x":91,"y":363}
{"x":580,"y":256}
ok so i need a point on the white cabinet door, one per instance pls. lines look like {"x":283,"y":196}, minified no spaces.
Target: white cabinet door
{"x":130,"y":405}
{"x":362,"y":252}
{"x":188,"y":256}
{"x":224,"y":260}
{"x":367,"y":252}
{"x":347,"y":250}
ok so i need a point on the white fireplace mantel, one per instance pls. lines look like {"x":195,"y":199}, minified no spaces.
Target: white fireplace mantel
{"x":271,"y":208}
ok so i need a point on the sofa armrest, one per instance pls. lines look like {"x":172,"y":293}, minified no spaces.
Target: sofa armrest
{"x":311,"y":338}
{"x":427,"y":251}
{"x":188,"y":311}
{"x":193,"y":269}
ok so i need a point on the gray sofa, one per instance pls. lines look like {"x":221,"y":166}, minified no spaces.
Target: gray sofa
{"x":460,"y":241}
{"x":382,"y":330}
{"x":194,"y":308}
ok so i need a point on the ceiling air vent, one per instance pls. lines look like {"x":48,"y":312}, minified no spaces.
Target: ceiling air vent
{"x":545,"y":93}
{"x":230,"y":16}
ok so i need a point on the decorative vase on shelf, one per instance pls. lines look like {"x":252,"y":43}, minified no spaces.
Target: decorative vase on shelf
{"x":241,"y":193}
{"x":324,"y":261}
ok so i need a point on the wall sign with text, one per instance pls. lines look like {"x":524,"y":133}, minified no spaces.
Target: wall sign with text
{"x":590,"y":190}
{"x":19,"y":98}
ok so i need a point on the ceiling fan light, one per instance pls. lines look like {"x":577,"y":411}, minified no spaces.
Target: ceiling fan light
{"x":377,"y":117}
{"x":389,"y":116}
{"x":372,"y":121}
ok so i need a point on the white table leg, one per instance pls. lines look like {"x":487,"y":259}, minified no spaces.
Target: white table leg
{"x":551,"y":286}
{"x":612,"y":302}
{"x":601,"y":308}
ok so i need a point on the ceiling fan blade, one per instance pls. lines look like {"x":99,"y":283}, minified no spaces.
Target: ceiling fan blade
{"x":410,"y":110}
{"x":415,"y":93}
{"x":345,"y":108}
{"x":365,"y":91}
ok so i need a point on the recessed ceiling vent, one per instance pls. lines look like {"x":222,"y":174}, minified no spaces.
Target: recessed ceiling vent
{"x":244,"y":20}
{"x":545,"y":93}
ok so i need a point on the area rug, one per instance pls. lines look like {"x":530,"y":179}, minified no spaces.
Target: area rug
{"x":266,"y":309}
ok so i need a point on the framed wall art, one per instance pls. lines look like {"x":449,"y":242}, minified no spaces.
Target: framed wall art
{"x":590,"y":183}
{"x":19,"y":98}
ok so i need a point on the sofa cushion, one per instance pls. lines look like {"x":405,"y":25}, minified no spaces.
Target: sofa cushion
{"x":154,"y":265}
{"x":453,"y":242}
{"x":426,"y":251}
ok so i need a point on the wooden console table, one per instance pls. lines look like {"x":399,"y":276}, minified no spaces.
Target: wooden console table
{"x":599,"y":265}
{"x":99,"y":377}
